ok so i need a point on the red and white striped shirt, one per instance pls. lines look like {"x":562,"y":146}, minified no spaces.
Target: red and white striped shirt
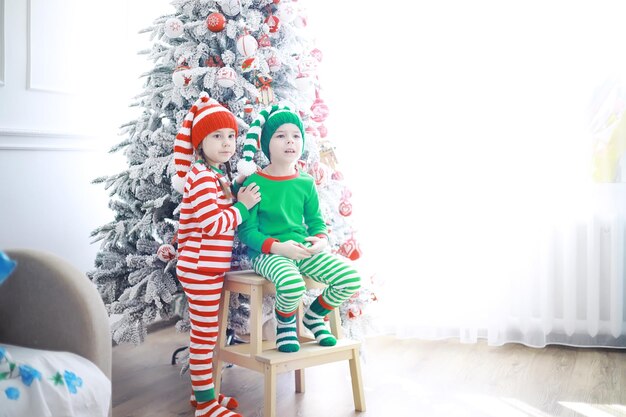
{"x":207,"y":224}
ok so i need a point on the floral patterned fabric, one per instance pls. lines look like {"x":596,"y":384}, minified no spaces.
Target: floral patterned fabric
{"x":45,"y":383}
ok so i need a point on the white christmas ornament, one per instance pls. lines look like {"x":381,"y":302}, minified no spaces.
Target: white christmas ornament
{"x":173,"y":27}
{"x":247,"y":45}
{"x":304,"y":84}
{"x":166,"y":252}
{"x":230,"y":7}
{"x":182,"y":77}
{"x":226,"y":77}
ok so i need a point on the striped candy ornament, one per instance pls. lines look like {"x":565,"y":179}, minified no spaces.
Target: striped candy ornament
{"x":205,"y":116}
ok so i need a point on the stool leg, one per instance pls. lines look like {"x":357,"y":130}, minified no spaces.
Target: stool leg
{"x":357,"y":383}
{"x":300,"y":380}
{"x":269,"y":407}
{"x":256,"y":325}
{"x":222,"y":320}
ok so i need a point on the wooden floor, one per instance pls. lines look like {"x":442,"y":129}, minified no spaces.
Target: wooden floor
{"x":405,"y":378}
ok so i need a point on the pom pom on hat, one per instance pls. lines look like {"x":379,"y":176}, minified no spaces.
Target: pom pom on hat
{"x":261,"y":131}
{"x":205,"y":116}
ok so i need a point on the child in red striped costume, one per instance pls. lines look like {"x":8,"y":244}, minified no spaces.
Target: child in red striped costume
{"x":208,"y":219}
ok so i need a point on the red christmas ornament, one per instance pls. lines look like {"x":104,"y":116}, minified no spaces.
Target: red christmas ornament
{"x":345,"y":208}
{"x":319,"y":109}
{"x":273,"y":22}
{"x":166,"y":252}
{"x":337,"y":176}
{"x":250,"y":64}
{"x":247,"y":108}
{"x":216,"y":22}
{"x":214,"y":62}
{"x":354,"y":312}
{"x":350,"y":249}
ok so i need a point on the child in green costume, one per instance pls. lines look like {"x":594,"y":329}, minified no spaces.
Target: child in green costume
{"x":286,"y":234}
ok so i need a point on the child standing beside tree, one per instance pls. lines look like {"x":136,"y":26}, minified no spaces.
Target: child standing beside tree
{"x":208,"y":219}
{"x":286,"y":233}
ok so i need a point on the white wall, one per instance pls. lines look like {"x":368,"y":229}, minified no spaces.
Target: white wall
{"x":68,"y":72}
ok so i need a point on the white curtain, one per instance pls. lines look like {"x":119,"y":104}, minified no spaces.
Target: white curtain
{"x":468,"y":132}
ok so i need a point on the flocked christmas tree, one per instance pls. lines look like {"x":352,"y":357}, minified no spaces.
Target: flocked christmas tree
{"x":246,"y":54}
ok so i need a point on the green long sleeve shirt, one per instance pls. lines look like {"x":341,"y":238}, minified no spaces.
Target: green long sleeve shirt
{"x":289,"y":210}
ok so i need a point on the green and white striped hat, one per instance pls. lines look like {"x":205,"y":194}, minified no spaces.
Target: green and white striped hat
{"x":261,"y":131}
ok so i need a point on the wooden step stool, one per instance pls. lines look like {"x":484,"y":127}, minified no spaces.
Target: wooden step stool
{"x":262,"y":356}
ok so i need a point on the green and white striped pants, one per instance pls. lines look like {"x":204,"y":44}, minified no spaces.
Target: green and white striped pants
{"x":341,"y":279}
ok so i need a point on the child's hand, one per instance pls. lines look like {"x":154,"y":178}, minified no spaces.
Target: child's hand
{"x":318,"y":244}
{"x":249,"y":195}
{"x":290,"y":249}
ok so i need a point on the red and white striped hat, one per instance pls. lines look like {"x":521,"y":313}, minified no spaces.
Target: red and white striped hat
{"x":205,"y":116}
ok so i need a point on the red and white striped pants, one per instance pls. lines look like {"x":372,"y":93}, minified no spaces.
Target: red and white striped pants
{"x":203,"y":295}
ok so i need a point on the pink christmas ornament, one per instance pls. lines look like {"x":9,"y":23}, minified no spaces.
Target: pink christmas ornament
{"x":317,"y":54}
{"x":350,"y":249}
{"x":320,"y":110}
{"x":345,"y":208}
{"x":274,"y":63}
{"x":322,"y":130}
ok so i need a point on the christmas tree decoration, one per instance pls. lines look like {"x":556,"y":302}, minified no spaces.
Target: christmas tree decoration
{"x":345,"y":208}
{"x":337,"y":176}
{"x":304,"y":83}
{"x":250,"y":64}
{"x":230,"y":7}
{"x":274,"y":63}
{"x":226,"y":77}
{"x":350,"y":249}
{"x":273,"y":22}
{"x":328,"y":156}
{"x":287,"y":12}
{"x":248,"y":108}
{"x":319,"y":109}
{"x":320,"y":173}
{"x":322,"y":131}
{"x":216,"y":22}
{"x":317,"y":54}
{"x":247,"y":45}
{"x":173,"y":27}
{"x":182,"y":76}
{"x":266,"y":94}
{"x":166,"y":252}
{"x":264,"y":41}
{"x":136,"y":263}
{"x":214,"y":62}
